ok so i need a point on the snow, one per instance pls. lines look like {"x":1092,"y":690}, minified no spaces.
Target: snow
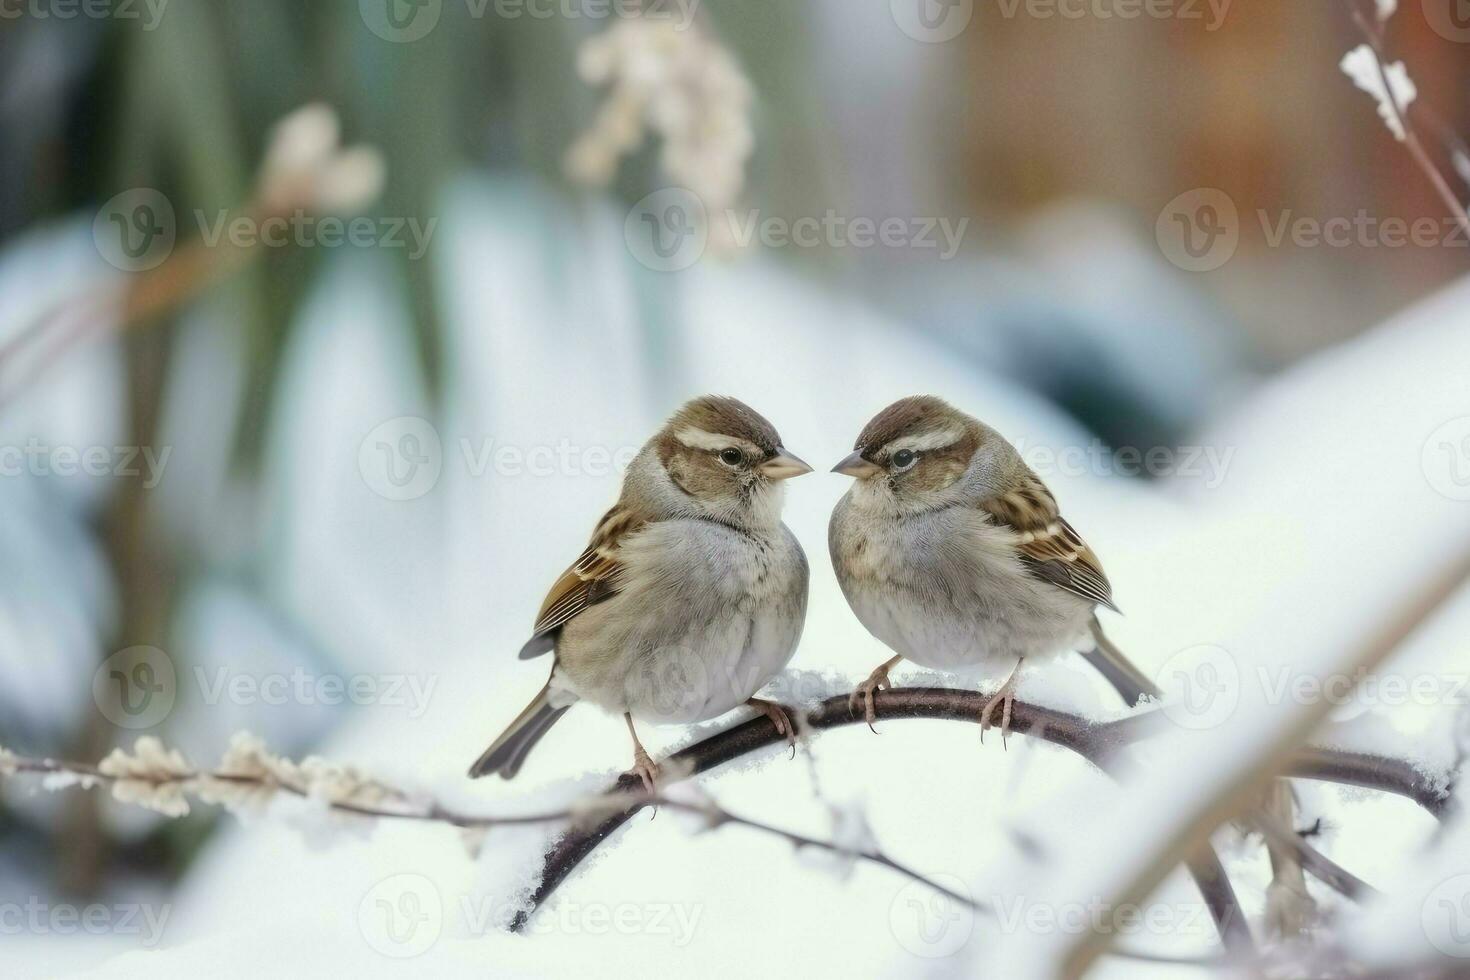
{"x":1362,"y":65}
{"x":1330,"y":514}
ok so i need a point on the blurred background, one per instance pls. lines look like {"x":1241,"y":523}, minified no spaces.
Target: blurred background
{"x":232,"y":461}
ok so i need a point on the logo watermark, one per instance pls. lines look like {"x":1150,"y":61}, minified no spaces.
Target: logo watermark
{"x":138,"y":230}
{"x":148,"y":13}
{"x":39,"y":459}
{"x":1450,"y":19}
{"x":302,"y":230}
{"x":406,"y":21}
{"x":1201,"y":230}
{"x":402,"y":916}
{"x":1208,"y":464}
{"x":1203,"y":686}
{"x":1446,"y":917}
{"x":136,"y":688}
{"x":931,"y":924}
{"x":299,"y":686}
{"x":135,"y":230}
{"x":403,"y":458}
{"x":677,"y":922}
{"x":1445,"y":459}
{"x":1101,"y":917}
{"x":671,"y":229}
{"x":938,"y":21}
{"x":35,"y":916}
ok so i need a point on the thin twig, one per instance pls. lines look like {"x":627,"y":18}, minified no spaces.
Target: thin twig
{"x":1374,"y":33}
{"x":713,"y":815}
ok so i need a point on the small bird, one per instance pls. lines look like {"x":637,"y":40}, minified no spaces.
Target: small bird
{"x":953,"y":553}
{"x":690,"y":597}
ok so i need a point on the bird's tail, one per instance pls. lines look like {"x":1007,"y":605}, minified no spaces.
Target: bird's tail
{"x":1130,"y":682}
{"x":506,"y":754}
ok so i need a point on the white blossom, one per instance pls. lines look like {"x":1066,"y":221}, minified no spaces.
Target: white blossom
{"x":1386,"y":9}
{"x":681,"y":85}
{"x":1362,"y":66}
{"x":305,"y":167}
{"x":8,"y":762}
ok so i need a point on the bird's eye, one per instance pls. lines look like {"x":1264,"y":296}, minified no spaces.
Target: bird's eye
{"x":731,"y":457}
{"x":904,"y":458}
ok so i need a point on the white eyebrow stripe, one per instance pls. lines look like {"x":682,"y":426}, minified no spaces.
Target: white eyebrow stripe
{"x":697,"y":438}
{"x":928,"y":441}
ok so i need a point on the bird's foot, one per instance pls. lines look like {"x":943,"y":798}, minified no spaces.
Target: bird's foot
{"x":1003,"y":699}
{"x":780,"y":717}
{"x":877,"y":681}
{"x":645,"y":769}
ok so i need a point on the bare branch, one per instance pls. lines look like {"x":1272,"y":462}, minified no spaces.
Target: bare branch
{"x":1099,"y":743}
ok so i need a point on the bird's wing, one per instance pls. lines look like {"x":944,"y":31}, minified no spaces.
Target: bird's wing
{"x":591,"y":579}
{"x":1050,"y":548}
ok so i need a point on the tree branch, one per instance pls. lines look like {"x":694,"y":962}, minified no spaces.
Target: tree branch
{"x":1099,"y":743}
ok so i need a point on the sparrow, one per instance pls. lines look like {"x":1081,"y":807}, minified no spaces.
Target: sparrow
{"x":690,"y":596}
{"x":954,"y":554}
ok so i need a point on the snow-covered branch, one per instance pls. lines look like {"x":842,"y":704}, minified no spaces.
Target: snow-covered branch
{"x":249,"y":778}
{"x":1394,"y":91}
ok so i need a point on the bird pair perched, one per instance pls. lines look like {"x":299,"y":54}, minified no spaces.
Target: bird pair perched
{"x":691,"y":595}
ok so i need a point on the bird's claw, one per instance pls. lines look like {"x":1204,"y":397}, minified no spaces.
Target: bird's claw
{"x":877,"y":681}
{"x":646,"y":770}
{"x":780,"y":717}
{"x":1002,"y":699}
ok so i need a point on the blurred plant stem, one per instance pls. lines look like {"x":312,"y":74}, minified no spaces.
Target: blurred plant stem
{"x":173,"y":97}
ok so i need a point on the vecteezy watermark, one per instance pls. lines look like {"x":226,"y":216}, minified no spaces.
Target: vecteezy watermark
{"x":1015,"y":914}
{"x":1446,"y":917}
{"x":403,"y":458}
{"x":406,"y":21}
{"x":303,"y":230}
{"x":1211,"y":13}
{"x":307,"y":688}
{"x":937,"y":21}
{"x":135,"y":230}
{"x":1450,"y":19}
{"x":1201,"y":230}
{"x":932,"y":21}
{"x":671,"y":229}
{"x":136,"y":688}
{"x":676,"y":922}
{"x":931,"y":924}
{"x":36,"y":458}
{"x":1201,"y":686}
{"x":147,"y":12}
{"x":37,"y":917}
{"x":138,"y":229}
{"x":1208,"y":464}
{"x":1445,"y":459}
{"x":402,"y":916}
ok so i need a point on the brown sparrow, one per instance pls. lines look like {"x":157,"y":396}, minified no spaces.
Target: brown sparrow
{"x":690,"y":596}
{"x":953,"y":553}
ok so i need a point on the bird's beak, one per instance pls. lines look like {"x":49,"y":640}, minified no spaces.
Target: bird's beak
{"x":856,"y":466}
{"x":782,"y":466}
